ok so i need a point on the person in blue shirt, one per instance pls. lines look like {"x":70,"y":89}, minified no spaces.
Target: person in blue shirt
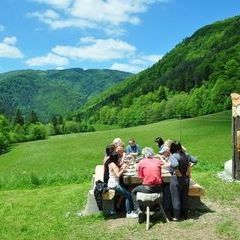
{"x":133,"y":149}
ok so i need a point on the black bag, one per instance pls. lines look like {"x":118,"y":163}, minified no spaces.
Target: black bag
{"x":100,"y":187}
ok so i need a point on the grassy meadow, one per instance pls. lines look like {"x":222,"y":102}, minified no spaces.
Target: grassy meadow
{"x":44,"y":184}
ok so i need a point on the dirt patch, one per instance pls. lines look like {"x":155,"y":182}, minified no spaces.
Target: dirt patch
{"x":119,"y":222}
{"x":202,"y":224}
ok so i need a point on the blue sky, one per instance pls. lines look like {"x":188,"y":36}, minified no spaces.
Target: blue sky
{"x":127,"y":35}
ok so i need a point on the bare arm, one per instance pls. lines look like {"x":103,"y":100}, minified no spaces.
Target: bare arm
{"x":118,"y":171}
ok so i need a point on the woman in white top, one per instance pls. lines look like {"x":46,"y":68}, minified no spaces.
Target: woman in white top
{"x":113,"y":183}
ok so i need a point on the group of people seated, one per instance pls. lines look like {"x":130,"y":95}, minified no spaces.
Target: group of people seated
{"x":171,"y":155}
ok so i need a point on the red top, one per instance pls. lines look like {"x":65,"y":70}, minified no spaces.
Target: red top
{"x":149,"y":169}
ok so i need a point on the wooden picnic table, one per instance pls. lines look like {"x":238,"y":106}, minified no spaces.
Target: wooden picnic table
{"x":130,"y":178}
{"x":134,"y":179}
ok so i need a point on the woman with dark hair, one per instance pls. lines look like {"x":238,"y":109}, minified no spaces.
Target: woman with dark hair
{"x":159,"y":141}
{"x":113,"y":183}
{"x":109,"y":149}
{"x":180,"y":164}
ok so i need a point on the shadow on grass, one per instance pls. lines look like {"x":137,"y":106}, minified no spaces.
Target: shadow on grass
{"x":196,"y":209}
{"x":9,"y":148}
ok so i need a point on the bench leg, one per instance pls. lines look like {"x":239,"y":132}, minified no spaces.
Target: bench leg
{"x":148,"y":218}
{"x":108,"y":207}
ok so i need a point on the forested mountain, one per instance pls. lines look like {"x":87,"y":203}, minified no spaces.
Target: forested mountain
{"x":52,"y":92}
{"x":194,"y":78}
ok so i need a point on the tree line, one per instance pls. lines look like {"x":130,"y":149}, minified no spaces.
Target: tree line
{"x":165,"y":104}
{"x":29,"y":128}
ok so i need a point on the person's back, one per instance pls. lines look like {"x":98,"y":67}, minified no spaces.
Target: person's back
{"x":180,"y":162}
{"x":109,"y":149}
{"x":113,"y":180}
{"x":150,"y":171}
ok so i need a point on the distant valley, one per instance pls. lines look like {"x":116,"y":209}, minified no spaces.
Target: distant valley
{"x":53,"y":92}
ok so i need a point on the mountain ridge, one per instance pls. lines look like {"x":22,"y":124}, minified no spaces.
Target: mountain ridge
{"x":52,"y":92}
{"x":208,"y":59}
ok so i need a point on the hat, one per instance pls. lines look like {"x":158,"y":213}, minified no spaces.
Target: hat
{"x":163,"y":149}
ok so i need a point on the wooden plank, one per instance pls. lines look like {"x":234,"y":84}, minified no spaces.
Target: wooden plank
{"x":109,"y":195}
{"x":236,"y":135}
{"x":195,"y":189}
{"x":132,"y":180}
{"x":99,"y":172}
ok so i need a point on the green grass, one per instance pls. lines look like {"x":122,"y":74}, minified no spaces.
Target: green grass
{"x":38,"y":208}
{"x":72,"y":158}
{"x":228,"y":229}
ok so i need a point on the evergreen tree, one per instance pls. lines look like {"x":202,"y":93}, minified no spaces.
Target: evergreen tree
{"x":54,"y":121}
{"x":33,"y":117}
{"x":19,"y":118}
{"x":60,"y":119}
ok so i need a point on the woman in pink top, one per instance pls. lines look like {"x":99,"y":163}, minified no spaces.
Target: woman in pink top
{"x":149,"y":169}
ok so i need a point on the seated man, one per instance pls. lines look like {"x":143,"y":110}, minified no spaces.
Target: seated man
{"x":164,"y":154}
{"x":133,"y":149}
{"x":149,"y":169}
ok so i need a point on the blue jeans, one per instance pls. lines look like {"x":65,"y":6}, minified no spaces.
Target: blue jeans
{"x":128,"y":197}
{"x":179,"y":192}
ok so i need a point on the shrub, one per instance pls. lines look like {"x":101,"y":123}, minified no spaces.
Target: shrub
{"x":38,"y":131}
{"x":71,"y":127}
{"x":4,"y":143}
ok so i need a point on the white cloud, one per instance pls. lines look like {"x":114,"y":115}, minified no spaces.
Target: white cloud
{"x":106,"y":15}
{"x":10,"y":40}
{"x":2,"y":28}
{"x":146,"y":59}
{"x":48,"y":15}
{"x":56,"y":3}
{"x":8,"y":50}
{"x":126,"y":67}
{"x":137,"y":64}
{"x":59,"y":68}
{"x":152,"y":58}
{"x":49,"y":59}
{"x":112,"y":12}
{"x":97,"y":49}
{"x":54,"y":20}
{"x":113,"y":31}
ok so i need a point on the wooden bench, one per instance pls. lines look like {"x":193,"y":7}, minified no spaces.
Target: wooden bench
{"x":109,"y":195}
{"x":195,"y":190}
{"x":195,"y":193}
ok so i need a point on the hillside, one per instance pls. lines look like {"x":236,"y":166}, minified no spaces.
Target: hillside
{"x":72,"y":158}
{"x":201,"y":70}
{"x":53,"y":92}
{"x":40,"y":199}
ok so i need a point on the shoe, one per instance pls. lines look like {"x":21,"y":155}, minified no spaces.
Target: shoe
{"x":131,"y":215}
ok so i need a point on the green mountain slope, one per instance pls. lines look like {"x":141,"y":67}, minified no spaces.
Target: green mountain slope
{"x":209,"y":58}
{"x":52,"y":92}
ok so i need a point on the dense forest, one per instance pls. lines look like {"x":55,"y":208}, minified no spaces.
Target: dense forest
{"x":37,"y":104}
{"x":53,"y":92}
{"x":194,"y":78}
